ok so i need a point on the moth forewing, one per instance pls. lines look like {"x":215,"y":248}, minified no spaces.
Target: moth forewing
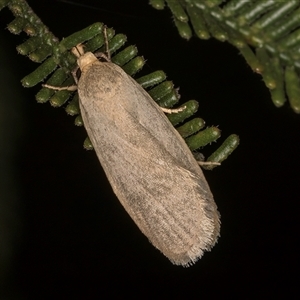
{"x":149,"y":166}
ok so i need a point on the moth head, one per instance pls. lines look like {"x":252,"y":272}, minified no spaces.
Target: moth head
{"x":83,"y":59}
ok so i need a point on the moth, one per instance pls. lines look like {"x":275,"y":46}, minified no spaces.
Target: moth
{"x":148,"y":164}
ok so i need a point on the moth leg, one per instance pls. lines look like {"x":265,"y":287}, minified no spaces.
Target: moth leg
{"x":70,"y":88}
{"x":74,"y":74}
{"x":106,"y":42}
{"x":173,"y":111}
{"x":208,"y":163}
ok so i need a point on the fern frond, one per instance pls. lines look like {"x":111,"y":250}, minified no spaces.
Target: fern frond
{"x":56,"y":60}
{"x":267,"y":33}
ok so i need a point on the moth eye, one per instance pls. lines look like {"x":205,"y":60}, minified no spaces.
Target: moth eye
{"x":78,"y":73}
{"x":102,"y":59}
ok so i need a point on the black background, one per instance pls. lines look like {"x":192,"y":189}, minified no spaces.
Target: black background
{"x":75,"y":239}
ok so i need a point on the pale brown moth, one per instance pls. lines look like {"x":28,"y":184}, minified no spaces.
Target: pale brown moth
{"x":149,"y":166}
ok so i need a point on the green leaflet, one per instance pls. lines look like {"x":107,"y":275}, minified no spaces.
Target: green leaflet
{"x":263,"y":31}
{"x":56,"y":63}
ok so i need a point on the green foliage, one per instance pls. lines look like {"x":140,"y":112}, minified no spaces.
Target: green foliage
{"x":57,"y":62}
{"x":265,"y":31}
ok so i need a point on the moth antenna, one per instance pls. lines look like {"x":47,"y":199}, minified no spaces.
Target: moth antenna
{"x":77,"y":51}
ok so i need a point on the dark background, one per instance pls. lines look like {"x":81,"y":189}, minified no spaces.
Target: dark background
{"x":71,"y":237}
